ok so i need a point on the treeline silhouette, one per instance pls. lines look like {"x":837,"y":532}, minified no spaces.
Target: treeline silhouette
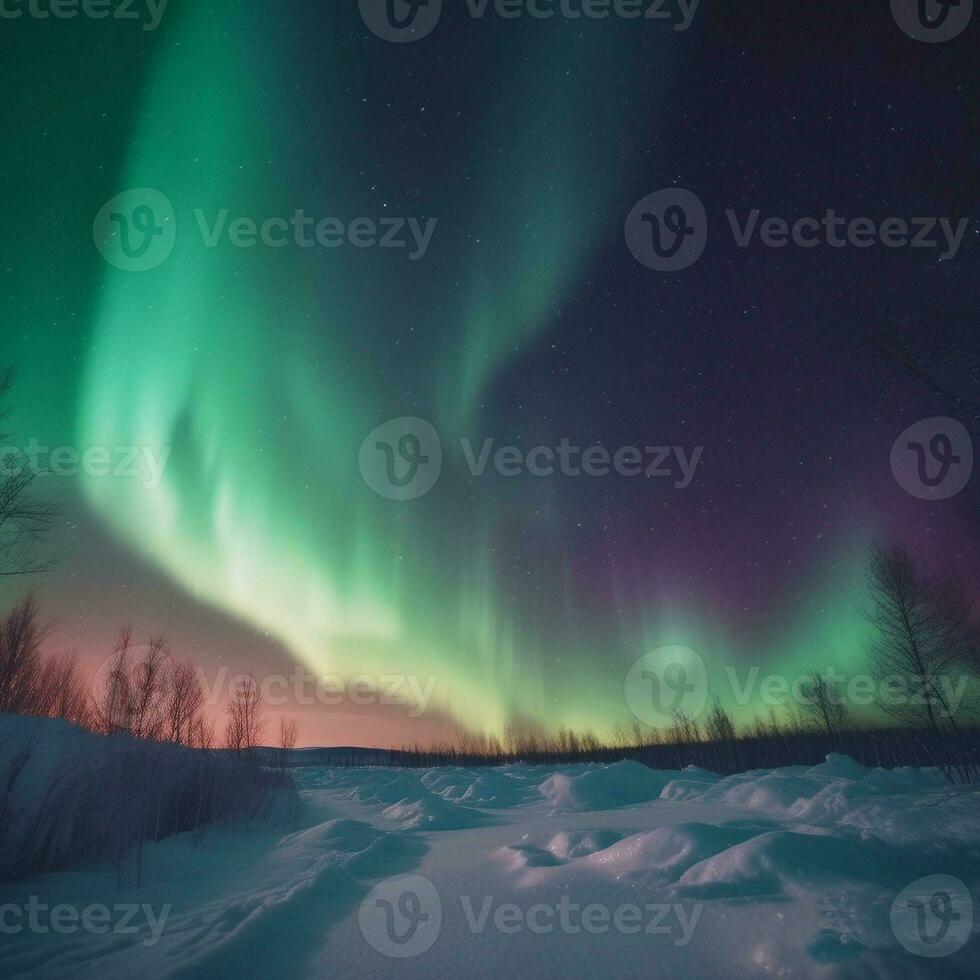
{"x":766,"y":744}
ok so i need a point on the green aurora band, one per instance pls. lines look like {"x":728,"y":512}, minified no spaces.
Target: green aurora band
{"x":262,"y":370}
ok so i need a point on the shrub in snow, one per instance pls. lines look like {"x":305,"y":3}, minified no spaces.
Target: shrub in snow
{"x":69,"y":795}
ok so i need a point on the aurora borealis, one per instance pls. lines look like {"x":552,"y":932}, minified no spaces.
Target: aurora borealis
{"x":258,"y":371}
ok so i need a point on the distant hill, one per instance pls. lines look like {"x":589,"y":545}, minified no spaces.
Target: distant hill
{"x":336,"y":755}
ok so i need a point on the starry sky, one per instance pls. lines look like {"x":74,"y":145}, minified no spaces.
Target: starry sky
{"x":526,"y":321}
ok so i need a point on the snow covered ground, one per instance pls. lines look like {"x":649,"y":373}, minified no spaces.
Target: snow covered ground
{"x":575,"y":871}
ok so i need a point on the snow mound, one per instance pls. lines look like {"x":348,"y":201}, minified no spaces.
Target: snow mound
{"x":666,"y":853}
{"x":781,"y":860}
{"x":840,"y":767}
{"x":899,"y":807}
{"x":346,"y":836}
{"x":521,"y":856}
{"x":432,"y":813}
{"x":776,"y":790}
{"x":691,"y":783}
{"x":373,"y":786}
{"x":350,"y":844}
{"x":490,"y":788}
{"x":572,"y":844}
{"x":604,"y":787}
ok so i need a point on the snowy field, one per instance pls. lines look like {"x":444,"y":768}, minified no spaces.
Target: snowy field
{"x":576,"y":871}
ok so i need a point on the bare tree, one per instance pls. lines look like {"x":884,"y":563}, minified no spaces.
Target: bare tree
{"x":110,"y":704}
{"x":288,"y":731}
{"x":132,"y":697}
{"x":245,"y":724}
{"x":962,"y":625}
{"x":24,"y":521}
{"x":184,"y":699}
{"x":202,"y":733}
{"x":823,"y":702}
{"x":718,"y":725}
{"x":64,"y":690}
{"x":684,"y":728}
{"x":21,"y":636}
{"x":147,"y":686}
{"x":917,"y":653}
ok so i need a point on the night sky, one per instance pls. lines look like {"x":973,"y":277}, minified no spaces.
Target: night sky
{"x":527,"y":321}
